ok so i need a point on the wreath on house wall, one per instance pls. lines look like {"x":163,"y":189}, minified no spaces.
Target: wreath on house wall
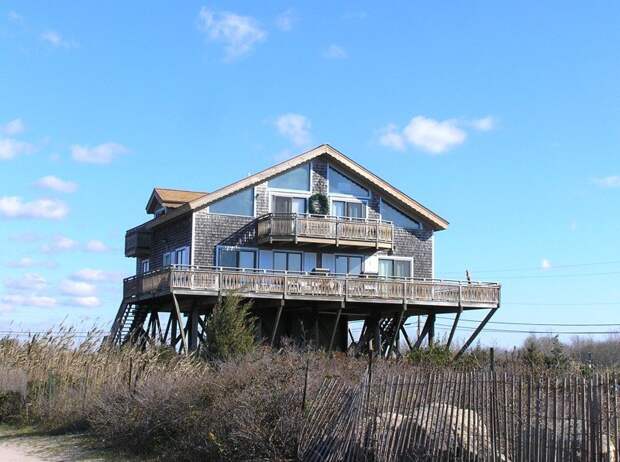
{"x":318,"y":204}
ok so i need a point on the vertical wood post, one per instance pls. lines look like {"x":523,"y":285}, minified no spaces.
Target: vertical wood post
{"x":431,"y":329}
{"x":192,"y":341}
{"x":178,"y":315}
{"x":336,"y":323}
{"x":276,"y":323}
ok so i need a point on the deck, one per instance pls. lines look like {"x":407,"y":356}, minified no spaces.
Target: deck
{"x":327,"y":230}
{"x":304,"y":286}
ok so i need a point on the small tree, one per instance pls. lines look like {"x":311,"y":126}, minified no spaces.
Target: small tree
{"x":230,"y":329}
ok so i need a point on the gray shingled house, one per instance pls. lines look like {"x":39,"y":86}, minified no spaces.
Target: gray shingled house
{"x":316,"y":242}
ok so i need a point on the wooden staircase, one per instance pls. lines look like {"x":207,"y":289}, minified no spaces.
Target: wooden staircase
{"x":128,"y":318}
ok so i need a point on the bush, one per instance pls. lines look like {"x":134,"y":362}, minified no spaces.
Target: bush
{"x":230,"y":329}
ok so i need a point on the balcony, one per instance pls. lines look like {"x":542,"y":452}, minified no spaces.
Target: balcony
{"x":326,"y":230}
{"x":305,"y":286}
{"x":137,"y":243}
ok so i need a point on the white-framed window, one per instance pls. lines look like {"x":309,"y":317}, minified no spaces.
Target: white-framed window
{"x":396,"y":267}
{"x":339,"y":183}
{"x":145,"y":265}
{"x":349,"y":264}
{"x":288,"y":204}
{"x":296,"y":179}
{"x":237,"y":257}
{"x":348,"y":208}
{"x":391,"y":213}
{"x":178,"y":256}
{"x":287,"y":261}
{"x":240,"y":203}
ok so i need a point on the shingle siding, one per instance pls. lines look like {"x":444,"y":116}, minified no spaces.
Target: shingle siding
{"x":212,"y":230}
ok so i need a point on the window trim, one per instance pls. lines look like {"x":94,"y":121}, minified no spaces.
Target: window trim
{"x":287,"y":252}
{"x":348,"y":255}
{"x":382,"y":201}
{"x":281,"y":193}
{"x":396,"y":258}
{"x":236,"y":214}
{"x":329,"y":169}
{"x":219,"y":248}
{"x":309,"y":190}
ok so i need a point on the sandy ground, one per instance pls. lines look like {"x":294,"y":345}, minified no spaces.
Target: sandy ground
{"x":30,"y":447}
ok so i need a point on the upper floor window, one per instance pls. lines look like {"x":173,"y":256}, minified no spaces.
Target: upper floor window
{"x":397,"y":217}
{"x":340,"y":184}
{"x":393,"y":268}
{"x":178,"y":256}
{"x":237,"y":257}
{"x":240,"y":203}
{"x":297,"y":179}
{"x":348,"y":209}
{"x":144,"y":266}
{"x":286,"y":204}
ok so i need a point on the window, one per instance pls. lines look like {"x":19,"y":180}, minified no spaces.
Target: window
{"x":340,"y":184}
{"x":344,"y":209}
{"x":346,"y":264}
{"x":237,"y":258}
{"x":144,"y":266}
{"x":241,"y":203}
{"x":287,"y":261}
{"x":297,"y":178}
{"x":283,"y":204}
{"x":397,"y":217}
{"x":178,"y":256}
{"x":392,"y":268}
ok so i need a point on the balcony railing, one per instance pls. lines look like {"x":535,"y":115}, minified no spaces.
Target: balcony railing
{"x":322,"y":229}
{"x":259,"y":283}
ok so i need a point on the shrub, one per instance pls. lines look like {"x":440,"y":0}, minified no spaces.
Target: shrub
{"x":230,"y":329}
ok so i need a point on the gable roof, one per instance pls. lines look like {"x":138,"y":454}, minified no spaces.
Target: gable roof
{"x":399,"y":198}
{"x":171,"y":198}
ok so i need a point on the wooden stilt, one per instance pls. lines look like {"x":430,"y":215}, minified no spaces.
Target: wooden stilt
{"x":192,"y":320}
{"x":453,"y":330}
{"x":400,"y":321}
{"x":431,"y":329}
{"x":276,"y":324}
{"x":476,"y":332}
{"x":336,"y":323}
{"x":178,"y":315}
{"x":168,"y":324}
{"x":174,"y":323}
{"x":404,"y":332}
{"x":425,"y":330}
{"x":316,"y":329}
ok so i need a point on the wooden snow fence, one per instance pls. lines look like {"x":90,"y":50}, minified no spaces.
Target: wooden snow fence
{"x":468,"y":416}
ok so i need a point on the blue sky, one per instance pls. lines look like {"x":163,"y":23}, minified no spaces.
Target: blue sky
{"x":503,"y":118}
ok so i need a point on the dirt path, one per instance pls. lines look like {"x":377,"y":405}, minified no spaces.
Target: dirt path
{"x":24,"y":446}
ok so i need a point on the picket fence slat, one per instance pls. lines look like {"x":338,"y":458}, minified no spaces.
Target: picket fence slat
{"x":466,"y":416}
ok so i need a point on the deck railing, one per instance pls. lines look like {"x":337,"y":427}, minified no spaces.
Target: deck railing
{"x":305,"y":285}
{"x":292,"y":226}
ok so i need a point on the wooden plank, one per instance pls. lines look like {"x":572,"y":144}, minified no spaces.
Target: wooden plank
{"x":178,"y":316}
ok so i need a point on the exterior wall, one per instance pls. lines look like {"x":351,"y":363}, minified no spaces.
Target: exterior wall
{"x":170,"y":236}
{"x":212,"y":230}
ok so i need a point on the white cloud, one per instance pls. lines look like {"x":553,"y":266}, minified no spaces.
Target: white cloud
{"x":27,"y":300}
{"x":95,"y":275}
{"x":100,"y":154}
{"x":86,"y":302}
{"x":31,"y":282}
{"x":433,"y":135}
{"x":56,"y":40}
{"x":612,"y":181}
{"x":239,"y":34}
{"x":15,"y":17}
{"x":295,"y":127}
{"x":13,"y":127}
{"x":60,"y":244}
{"x":29,"y":262}
{"x":95,"y":245}
{"x":56,"y":184}
{"x":391,"y":138}
{"x":545,"y":264}
{"x":335,"y":52}
{"x":15,"y":207}
{"x":11,"y":148}
{"x":483,"y":124}
{"x":285,"y":20}
{"x":77,"y":288}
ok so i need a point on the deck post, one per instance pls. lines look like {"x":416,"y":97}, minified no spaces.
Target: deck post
{"x":173,"y":329}
{"x":178,"y":315}
{"x":192,"y":319}
{"x":453,"y":330}
{"x":404,"y":332}
{"x":376,"y":329}
{"x":425,"y":330}
{"x":331,"y":340}
{"x":277,"y":322}
{"x":394,"y":342}
{"x":316,"y":328}
{"x":476,"y":332}
{"x":431,"y":329}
